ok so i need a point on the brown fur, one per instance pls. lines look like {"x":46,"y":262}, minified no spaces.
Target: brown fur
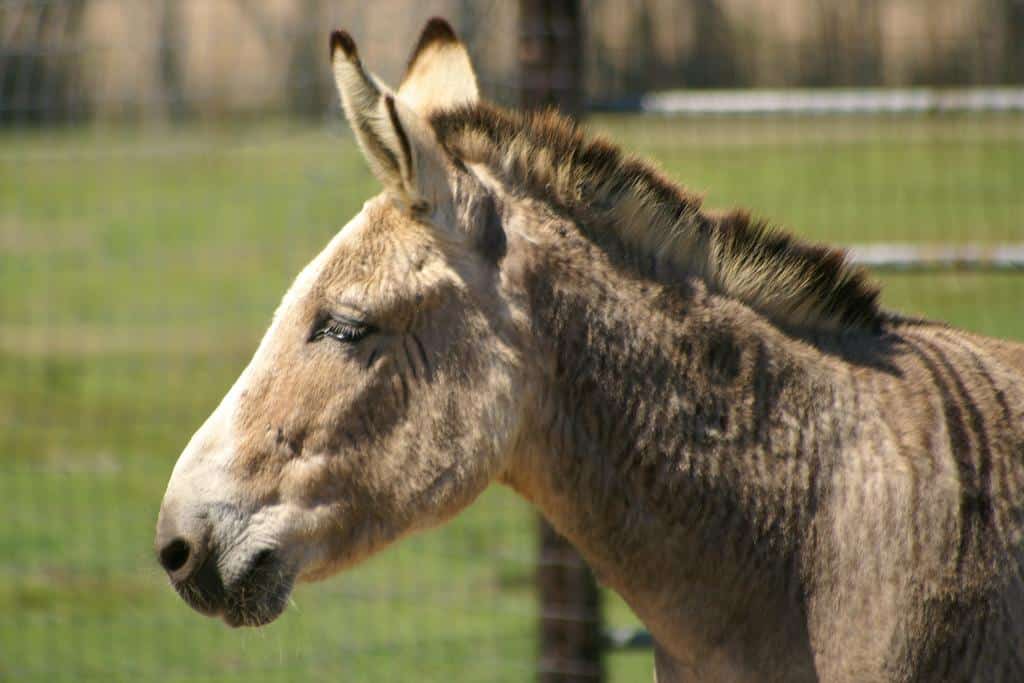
{"x":624,"y":204}
{"x":784,"y":483}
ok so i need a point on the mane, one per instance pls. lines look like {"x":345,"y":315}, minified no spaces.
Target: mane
{"x":621,"y":203}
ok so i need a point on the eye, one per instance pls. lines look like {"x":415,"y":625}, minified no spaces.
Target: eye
{"x":340,"y":328}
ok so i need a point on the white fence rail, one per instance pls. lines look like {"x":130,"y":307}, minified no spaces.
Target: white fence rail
{"x":901,"y":256}
{"x":832,"y":101}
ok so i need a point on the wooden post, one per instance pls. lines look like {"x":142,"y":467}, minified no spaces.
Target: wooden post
{"x":571,"y":643}
{"x":551,"y":55}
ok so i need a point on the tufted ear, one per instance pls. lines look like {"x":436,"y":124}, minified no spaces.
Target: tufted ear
{"x":440,"y":74}
{"x":399,"y":145}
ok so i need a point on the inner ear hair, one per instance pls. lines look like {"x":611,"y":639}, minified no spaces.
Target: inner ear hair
{"x":405,"y":160}
{"x":399,"y":144}
{"x":375,"y":118}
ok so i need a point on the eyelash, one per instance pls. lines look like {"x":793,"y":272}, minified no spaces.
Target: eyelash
{"x":346,"y":331}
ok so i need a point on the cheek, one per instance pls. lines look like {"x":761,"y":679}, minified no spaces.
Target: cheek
{"x":474,"y":420}
{"x":307,"y":481}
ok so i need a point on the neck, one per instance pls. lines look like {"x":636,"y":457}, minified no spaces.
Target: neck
{"x":675,"y":443}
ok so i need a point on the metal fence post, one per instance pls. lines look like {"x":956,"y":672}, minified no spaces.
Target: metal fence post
{"x":571,"y":644}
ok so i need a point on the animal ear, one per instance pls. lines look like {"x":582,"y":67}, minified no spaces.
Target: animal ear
{"x":440,"y":74}
{"x":399,"y":145}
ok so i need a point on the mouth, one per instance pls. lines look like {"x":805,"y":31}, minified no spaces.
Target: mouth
{"x":255,"y":598}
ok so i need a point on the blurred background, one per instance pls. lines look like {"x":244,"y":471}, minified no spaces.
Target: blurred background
{"x":168,"y":166}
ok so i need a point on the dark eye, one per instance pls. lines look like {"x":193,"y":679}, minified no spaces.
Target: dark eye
{"x":341,"y":329}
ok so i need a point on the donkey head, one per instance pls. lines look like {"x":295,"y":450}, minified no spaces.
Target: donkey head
{"x":387,"y":391}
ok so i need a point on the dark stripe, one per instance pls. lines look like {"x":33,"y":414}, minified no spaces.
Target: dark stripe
{"x":958,"y":444}
{"x":423,"y":353}
{"x":409,"y":361}
{"x":378,"y":419}
{"x":376,"y":145}
{"x":405,"y":390}
{"x":764,"y":398}
{"x":403,"y":141}
{"x":367,"y":426}
{"x":960,"y":447}
{"x":981,"y":432}
{"x":982,"y":369}
{"x":998,"y":459}
{"x":373,"y":357}
{"x":979,"y":637}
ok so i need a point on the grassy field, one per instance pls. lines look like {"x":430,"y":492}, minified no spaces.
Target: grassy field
{"x":138,"y":270}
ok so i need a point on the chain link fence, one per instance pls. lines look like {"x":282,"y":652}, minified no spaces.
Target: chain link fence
{"x":167,"y":167}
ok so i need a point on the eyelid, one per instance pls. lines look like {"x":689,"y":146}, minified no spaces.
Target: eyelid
{"x":345,"y":311}
{"x":327,"y":318}
{"x":345,"y":319}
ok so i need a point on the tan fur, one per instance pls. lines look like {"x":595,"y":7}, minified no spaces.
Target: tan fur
{"x":784,"y":483}
{"x":439,"y":74}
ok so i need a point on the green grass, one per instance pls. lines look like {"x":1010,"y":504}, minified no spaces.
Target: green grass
{"x":138,"y":270}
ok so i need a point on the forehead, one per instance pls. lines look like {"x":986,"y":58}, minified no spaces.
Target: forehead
{"x":380,"y":250}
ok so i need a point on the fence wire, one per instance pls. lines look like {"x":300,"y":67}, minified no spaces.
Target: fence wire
{"x":167,"y":167}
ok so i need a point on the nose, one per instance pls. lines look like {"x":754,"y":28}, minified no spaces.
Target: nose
{"x":180,"y":548}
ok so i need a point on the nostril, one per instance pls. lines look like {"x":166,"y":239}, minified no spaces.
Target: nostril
{"x":263,"y":558}
{"x":262,"y":562}
{"x":175,"y":554}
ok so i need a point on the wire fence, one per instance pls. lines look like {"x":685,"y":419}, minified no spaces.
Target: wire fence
{"x":166,"y":168}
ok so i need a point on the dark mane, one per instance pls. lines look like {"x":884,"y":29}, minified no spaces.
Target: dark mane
{"x":616,"y":199}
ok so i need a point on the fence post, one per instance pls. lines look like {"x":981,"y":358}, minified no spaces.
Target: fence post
{"x":551,"y":55}
{"x":571,"y":644}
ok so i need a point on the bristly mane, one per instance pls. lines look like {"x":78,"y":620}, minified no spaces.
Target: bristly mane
{"x":621,"y":202}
